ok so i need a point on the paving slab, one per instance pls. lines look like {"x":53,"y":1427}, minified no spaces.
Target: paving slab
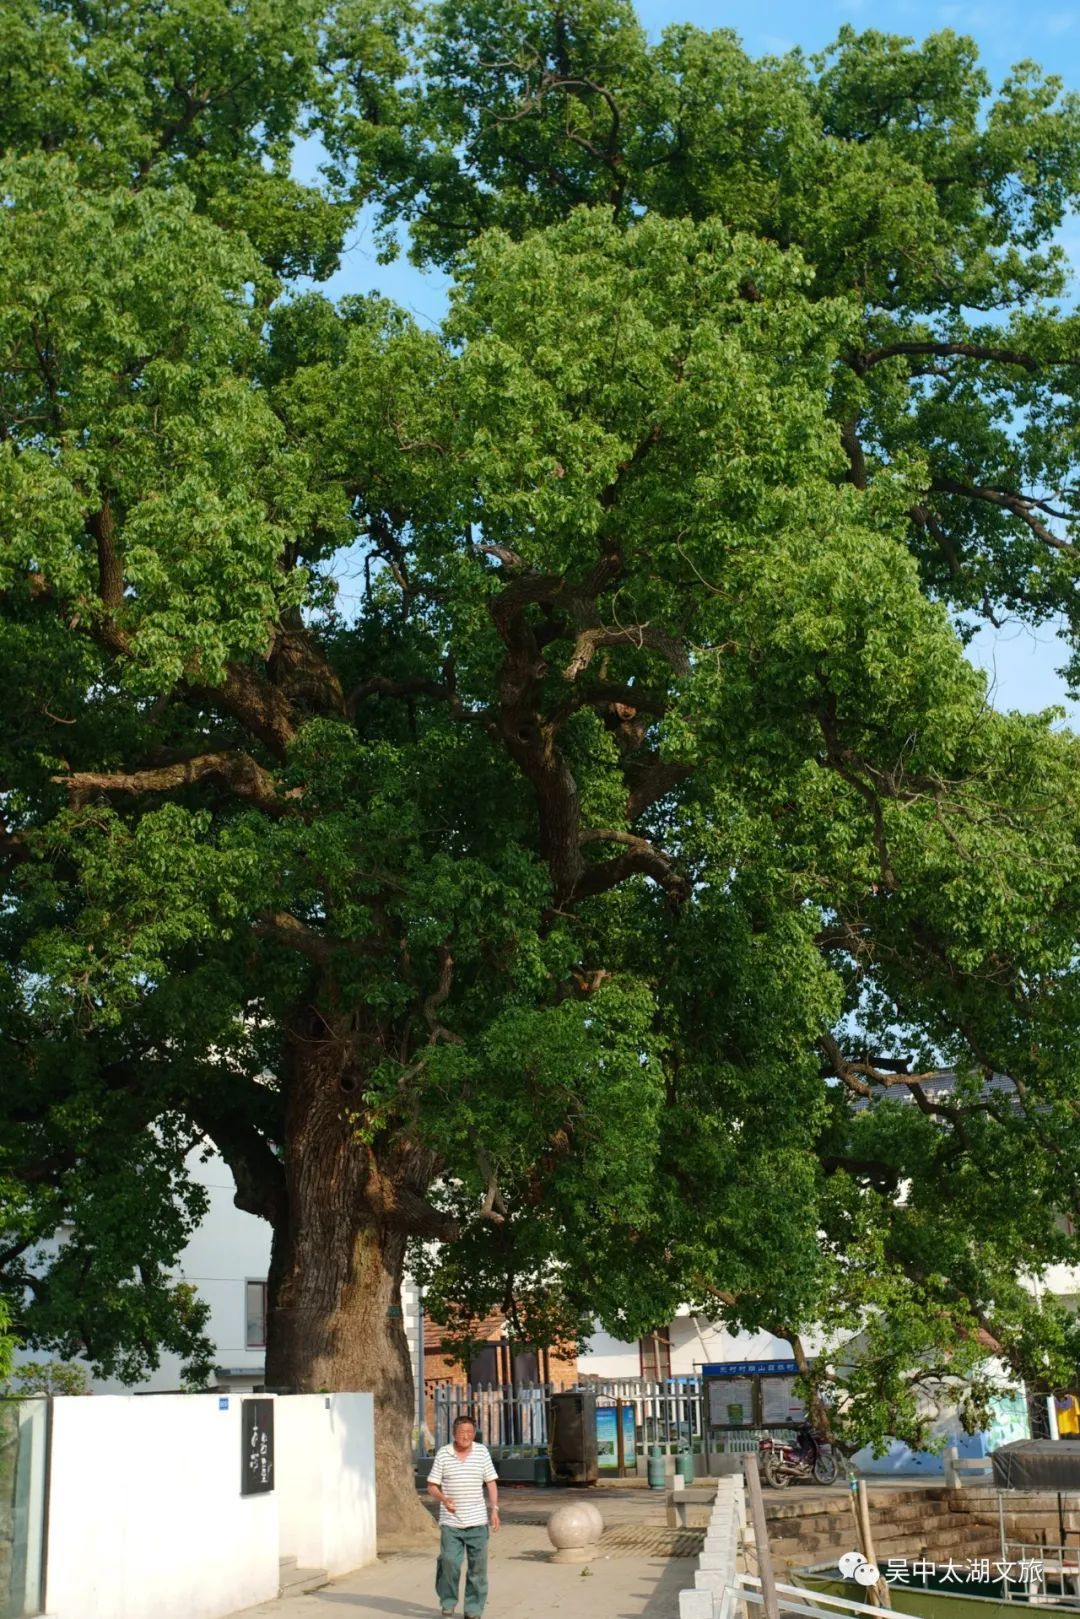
{"x":627,"y":1579}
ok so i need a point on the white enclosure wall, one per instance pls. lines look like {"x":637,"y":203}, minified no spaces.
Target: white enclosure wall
{"x":325,"y":1449}
{"x":146,"y":1519}
{"x":145,"y":1511}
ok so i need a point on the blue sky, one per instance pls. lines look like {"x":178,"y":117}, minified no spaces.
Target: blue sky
{"x":1020,"y":662}
{"x":1005,"y":33}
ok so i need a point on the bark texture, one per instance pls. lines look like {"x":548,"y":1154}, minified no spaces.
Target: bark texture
{"x":335,"y":1320}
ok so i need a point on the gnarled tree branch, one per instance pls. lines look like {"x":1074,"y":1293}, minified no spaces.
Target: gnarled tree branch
{"x":970,"y":351}
{"x":641,"y":857}
{"x":239,"y":772}
{"x":1018,"y":505}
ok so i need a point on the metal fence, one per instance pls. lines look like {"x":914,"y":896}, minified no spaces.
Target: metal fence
{"x":508,"y":1416}
{"x":515,"y":1416}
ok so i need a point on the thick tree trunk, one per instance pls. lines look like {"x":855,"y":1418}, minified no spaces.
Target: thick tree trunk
{"x":335,"y":1321}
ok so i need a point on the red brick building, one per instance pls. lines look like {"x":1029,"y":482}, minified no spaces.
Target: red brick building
{"x":493,"y":1360}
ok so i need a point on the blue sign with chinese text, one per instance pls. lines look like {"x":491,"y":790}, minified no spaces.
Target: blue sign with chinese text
{"x":751,"y":1368}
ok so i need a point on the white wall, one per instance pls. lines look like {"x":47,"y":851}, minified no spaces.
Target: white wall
{"x":1061,"y":1280}
{"x":227,"y":1249}
{"x":325,"y":1449}
{"x":697,"y":1342}
{"x":145,"y":1512}
{"x":605,"y":1356}
{"x":146,"y":1519}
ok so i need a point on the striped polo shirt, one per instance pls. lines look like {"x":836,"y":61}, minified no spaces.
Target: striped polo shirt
{"x":462,"y":1478}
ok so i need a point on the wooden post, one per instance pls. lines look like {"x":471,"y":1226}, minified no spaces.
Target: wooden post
{"x":879,"y":1593}
{"x":769,"y":1595}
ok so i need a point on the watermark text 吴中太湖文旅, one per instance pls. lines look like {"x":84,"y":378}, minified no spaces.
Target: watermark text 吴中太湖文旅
{"x":976,"y":1570}
{"x":1026,"y":1571}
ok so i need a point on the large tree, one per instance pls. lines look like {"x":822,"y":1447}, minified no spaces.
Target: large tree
{"x":520,"y":785}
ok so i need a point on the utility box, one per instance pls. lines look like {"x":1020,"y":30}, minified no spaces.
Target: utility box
{"x":572,"y":1443}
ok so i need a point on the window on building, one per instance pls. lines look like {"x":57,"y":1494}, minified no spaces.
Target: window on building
{"x":255,"y":1315}
{"x":527,"y":1367}
{"x":485,"y":1365}
{"x":656,"y":1356}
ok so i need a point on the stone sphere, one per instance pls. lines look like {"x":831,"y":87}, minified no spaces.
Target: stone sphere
{"x":571,"y":1531}
{"x":595,"y":1519}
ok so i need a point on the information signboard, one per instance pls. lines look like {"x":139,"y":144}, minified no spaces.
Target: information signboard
{"x":608,"y":1419}
{"x":256,"y":1447}
{"x":731,"y":1402}
{"x":779,"y":1402}
{"x":607,"y":1438}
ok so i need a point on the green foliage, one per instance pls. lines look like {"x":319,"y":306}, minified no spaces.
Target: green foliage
{"x":49,"y":1377}
{"x":914,"y":194}
{"x":8,"y":1341}
{"x":546,"y":742}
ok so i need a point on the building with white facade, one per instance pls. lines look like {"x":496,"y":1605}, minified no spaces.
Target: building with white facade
{"x":680,"y":1350}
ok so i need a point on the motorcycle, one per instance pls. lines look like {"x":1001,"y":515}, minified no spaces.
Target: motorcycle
{"x":808,"y":1457}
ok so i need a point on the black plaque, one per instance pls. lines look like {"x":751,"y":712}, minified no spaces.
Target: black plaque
{"x":256,"y":1447}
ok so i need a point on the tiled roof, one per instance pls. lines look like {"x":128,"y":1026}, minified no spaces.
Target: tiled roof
{"x":488,"y":1330}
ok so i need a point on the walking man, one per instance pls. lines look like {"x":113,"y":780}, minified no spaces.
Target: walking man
{"x":459,"y":1476}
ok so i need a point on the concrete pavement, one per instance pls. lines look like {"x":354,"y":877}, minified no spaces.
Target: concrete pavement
{"x":637,"y":1572}
{"x":523,"y":1585}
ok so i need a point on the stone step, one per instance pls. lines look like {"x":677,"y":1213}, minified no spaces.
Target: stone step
{"x":817,"y":1551}
{"x":286,"y":1564}
{"x":818,"y":1506}
{"x":884,"y":1504}
{"x":1040,"y":1520}
{"x":816,"y":1525}
{"x":904,"y":1511}
{"x":885,"y":1498}
{"x":935,"y":1551}
{"x":810,"y":1554}
{"x":893,"y":1544}
{"x":937,"y":1539}
{"x":298,"y":1582}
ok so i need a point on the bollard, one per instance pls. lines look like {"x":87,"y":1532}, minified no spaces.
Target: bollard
{"x":573,"y":1530}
